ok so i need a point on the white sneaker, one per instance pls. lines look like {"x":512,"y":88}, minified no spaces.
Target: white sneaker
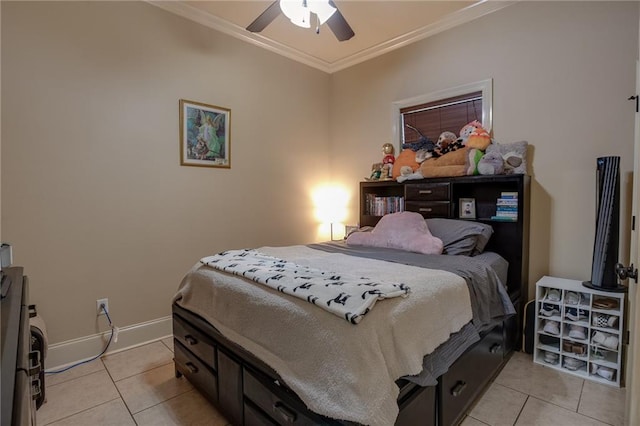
{"x":573,"y":364}
{"x":550,"y":357}
{"x":572,"y":298}
{"x":577,"y":332}
{"x":551,"y":327}
{"x":553,"y":295}
{"x":605,"y":372}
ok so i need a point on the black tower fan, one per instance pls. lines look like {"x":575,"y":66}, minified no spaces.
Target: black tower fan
{"x":605,"y":248}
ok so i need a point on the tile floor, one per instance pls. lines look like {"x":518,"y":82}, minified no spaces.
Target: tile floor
{"x":138,"y":387}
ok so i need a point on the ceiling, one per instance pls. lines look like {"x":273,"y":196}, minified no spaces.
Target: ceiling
{"x":380,"y":26}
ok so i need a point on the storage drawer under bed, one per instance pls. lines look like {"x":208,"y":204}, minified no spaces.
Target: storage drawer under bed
{"x":201,"y":376}
{"x":468,"y":376}
{"x":263,"y":405}
{"x":195,"y":341}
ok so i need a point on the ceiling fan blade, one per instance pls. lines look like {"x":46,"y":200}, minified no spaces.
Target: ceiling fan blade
{"x":339,"y":25}
{"x":265,"y":18}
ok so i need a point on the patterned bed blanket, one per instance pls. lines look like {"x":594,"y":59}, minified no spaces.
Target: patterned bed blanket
{"x":345,"y":295}
{"x":339,"y":370}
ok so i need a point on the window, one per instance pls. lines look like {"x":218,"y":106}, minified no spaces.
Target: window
{"x":446,"y":110}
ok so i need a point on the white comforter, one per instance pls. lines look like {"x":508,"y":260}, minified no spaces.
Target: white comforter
{"x":341,"y":370}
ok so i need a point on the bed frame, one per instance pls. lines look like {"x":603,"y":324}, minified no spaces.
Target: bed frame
{"x":248,"y":392}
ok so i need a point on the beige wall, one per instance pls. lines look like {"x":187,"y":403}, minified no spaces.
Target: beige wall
{"x":94,"y":198}
{"x":562,"y":73}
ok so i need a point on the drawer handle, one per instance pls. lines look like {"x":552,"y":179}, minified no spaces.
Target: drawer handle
{"x":284,"y":412}
{"x":425,"y":191}
{"x":458,"y":388}
{"x":495,"y":348}
{"x":190,"y":340}
{"x":192,"y":368}
{"x":425,"y":209}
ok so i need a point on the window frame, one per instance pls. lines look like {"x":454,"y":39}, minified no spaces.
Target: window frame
{"x":484,"y":86}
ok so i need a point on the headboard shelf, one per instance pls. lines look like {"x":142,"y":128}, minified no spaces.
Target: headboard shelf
{"x":440,"y":197}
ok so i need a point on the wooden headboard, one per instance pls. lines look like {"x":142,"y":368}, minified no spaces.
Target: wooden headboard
{"x":440,"y":197}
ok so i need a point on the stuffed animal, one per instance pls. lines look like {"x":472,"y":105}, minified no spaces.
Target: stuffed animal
{"x":422,"y":143}
{"x":450,"y":164}
{"x":467,"y":129}
{"x":423,"y":154}
{"x":407,"y":173}
{"x":491,"y":163}
{"x":446,"y":138}
{"x":478,"y":138}
{"x":473,"y":157}
{"x":406,"y":158}
{"x":514,"y":156}
{"x":447,"y":142}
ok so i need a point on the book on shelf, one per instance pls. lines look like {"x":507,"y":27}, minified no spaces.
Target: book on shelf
{"x":509,"y":194}
{"x":507,"y":214}
{"x":507,"y":202}
{"x":379,"y":206}
{"x":504,"y":218}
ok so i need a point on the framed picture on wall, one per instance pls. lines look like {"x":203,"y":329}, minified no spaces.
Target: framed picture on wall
{"x":467,"y":208}
{"x":205,"y":139}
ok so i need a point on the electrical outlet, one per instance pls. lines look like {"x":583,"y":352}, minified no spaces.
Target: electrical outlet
{"x":100,"y":302}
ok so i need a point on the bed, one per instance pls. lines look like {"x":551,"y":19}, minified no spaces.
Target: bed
{"x":416,"y":358}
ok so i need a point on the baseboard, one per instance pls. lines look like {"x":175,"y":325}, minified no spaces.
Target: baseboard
{"x":63,"y":354}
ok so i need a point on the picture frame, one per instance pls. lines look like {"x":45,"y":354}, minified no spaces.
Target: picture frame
{"x":467,"y":208}
{"x":205,"y":135}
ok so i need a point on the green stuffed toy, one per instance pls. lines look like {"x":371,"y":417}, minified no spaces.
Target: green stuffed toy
{"x":474,"y":156}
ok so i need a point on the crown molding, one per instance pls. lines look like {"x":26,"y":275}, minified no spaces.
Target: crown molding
{"x":186,"y":11}
{"x":460,"y":17}
{"x":455,"y":19}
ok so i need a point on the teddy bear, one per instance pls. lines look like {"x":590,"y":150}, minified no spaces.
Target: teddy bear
{"x":491,"y":163}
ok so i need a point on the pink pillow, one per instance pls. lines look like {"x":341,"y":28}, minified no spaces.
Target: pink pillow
{"x":406,"y":231}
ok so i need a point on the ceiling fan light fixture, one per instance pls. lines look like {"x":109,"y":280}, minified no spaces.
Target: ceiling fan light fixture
{"x":322,"y":8}
{"x":299,"y":11}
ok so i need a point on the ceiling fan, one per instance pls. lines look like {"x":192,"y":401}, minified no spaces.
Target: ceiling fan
{"x":299,"y":13}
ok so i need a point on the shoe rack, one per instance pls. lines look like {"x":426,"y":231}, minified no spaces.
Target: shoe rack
{"x":579,"y":330}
